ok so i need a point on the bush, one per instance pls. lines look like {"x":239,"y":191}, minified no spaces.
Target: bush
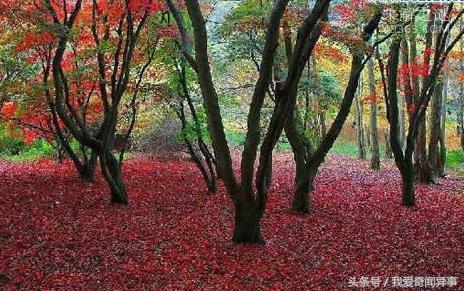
{"x":21,"y":152}
{"x":11,"y":145}
{"x":455,"y":160}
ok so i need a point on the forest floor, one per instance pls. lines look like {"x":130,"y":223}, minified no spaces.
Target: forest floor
{"x":59,"y":232}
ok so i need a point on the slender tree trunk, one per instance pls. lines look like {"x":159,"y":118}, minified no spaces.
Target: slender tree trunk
{"x":360,"y":128}
{"x":461,"y":115}
{"x":408,"y":89}
{"x":388,"y":150}
{"x":403,"y":160}
{"x":435,"y":128}
{"x":442,"y":135}
{"x":402,"y":122}
{"x":374,"y":135}
{"x":367,"y":137}
{"x":423,"y":170}
{"x":322,"y":123}
{"x":461,"y":90}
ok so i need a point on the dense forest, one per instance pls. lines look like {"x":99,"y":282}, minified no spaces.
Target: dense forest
{"x":281,"y":145}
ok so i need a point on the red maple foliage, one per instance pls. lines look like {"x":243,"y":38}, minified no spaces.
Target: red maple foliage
{"x":59,"y":232}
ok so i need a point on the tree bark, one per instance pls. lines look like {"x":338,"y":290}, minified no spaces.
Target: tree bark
{"x":360,"y":122}
{"x":435,"y":129}
{"x":304,"y":186}
{"x":112,"y":173}
{"x":461,"y":91}
{"x":442,"y":135}
{"x":423,"y":170}
{"x":87,"y":171}
{"x":403,"y":160}
{"x":408,"y":194}
{"x":388,"y":150}
{"x":301,"y":150}
{"x":247,"y":227}
{"x":374,"y":135}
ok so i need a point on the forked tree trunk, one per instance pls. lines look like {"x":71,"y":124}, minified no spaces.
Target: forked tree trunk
{"x":423,"y":170}
{"x":112,"y":173}
{"x":403,"y":160}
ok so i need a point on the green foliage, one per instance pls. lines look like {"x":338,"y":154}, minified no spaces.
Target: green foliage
{"x":10,"y":145}
{"x":455,"y":161}
{"x":39,"y":149}
{"x":191,"y":132}
{"x":15,"y":71}
{"x":250,"y":14}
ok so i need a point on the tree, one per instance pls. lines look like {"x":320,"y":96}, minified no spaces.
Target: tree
{"x":36,"y":115}
{"x":193,"y":134}
{"x":250,"y":201}
{"x":375,"y":153}
{"x":112,"y":31}
{"x":309,"y":162}
{"x":404,"y":159}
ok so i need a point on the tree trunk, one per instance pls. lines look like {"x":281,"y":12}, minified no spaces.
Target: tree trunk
{"x":442,"y":135}
{"x":360,"y":127}
{"x":407,"y":175}
{"x":322,"y":123}
{"x":388,"y":150}
{"x":461,"y":115}
{"x":402,"y":122}
{"x":87,"y":171}
{"x":374,"y":135}
{"x":422,"y":168}
{"x":112,"y":174}
{"x":435,"y":128}
{"x":247,"y":228}
{"x":461,"y":90}
{"x":301,"y":150}
{"x":301,"y":202}
{"x":403,"y":159}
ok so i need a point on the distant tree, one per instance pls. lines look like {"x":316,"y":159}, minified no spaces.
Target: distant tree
{"x":374,"y":135}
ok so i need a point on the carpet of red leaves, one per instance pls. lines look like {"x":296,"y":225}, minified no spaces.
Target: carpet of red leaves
{"x":59,"y":232}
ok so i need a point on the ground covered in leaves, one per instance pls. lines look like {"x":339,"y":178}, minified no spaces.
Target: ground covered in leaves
{"x":57,"y":231}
